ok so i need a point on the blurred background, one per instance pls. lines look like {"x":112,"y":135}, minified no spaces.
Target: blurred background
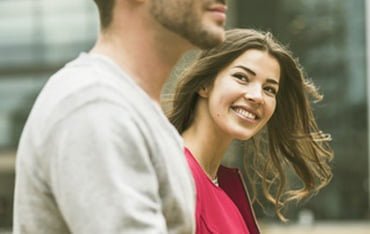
{"x":37,"y":37}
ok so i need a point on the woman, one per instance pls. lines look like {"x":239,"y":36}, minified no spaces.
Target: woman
{"x":232,"y":92}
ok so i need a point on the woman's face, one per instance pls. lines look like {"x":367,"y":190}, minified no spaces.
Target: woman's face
{"x":242,"y":97}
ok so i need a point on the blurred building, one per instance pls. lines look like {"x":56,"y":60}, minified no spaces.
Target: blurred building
{"x":37,"y":37}
{"x":329,"y":37}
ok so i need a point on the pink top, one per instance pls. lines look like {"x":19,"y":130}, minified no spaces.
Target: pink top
{"x":215,"y":210}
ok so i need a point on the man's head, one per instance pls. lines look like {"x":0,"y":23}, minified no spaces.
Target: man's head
{"x":201,"y":22}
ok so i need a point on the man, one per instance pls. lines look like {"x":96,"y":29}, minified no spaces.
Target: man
{"x":97,"y":155}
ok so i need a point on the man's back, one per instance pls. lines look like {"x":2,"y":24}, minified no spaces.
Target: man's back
{"x":96,"y":142}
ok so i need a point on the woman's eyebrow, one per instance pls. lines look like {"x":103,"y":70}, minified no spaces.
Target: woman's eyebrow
{"x":246,"y":69}
{"x":269,"y":80}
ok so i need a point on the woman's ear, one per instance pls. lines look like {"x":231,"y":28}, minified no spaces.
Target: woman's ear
{"x":203,"y":92}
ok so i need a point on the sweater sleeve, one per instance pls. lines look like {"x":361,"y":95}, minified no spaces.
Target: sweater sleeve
{"x":101,"y":172}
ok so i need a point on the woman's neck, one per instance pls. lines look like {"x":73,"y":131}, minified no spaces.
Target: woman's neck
{"x":207,"y":147}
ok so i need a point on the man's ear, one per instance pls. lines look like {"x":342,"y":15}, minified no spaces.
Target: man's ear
{"x":203,"y":92}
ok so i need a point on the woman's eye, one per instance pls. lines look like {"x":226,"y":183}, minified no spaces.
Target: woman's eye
{"x":240,"y":76}
{"x":271,"y":90}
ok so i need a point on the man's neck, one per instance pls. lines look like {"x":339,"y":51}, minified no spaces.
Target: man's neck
{"x":147,"y":54}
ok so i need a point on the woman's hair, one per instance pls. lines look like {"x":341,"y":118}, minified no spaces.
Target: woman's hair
{"x":291,"y":139}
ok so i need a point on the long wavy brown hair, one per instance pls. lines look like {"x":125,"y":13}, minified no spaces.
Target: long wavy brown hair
{"x":291,"y":141}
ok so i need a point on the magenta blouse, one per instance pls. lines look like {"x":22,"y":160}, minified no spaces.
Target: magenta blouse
{"x":224,"y":208}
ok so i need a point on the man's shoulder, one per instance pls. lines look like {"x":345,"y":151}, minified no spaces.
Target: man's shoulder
{"x":83,"y":83}
{"x":86,"y":79}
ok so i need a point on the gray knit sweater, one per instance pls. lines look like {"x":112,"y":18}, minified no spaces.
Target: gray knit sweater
{"x":98,"y":156}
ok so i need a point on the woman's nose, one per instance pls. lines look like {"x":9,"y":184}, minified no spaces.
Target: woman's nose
{"x":254,"y":94}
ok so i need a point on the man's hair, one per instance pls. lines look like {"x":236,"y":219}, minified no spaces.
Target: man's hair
{"x":105,"y":8}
